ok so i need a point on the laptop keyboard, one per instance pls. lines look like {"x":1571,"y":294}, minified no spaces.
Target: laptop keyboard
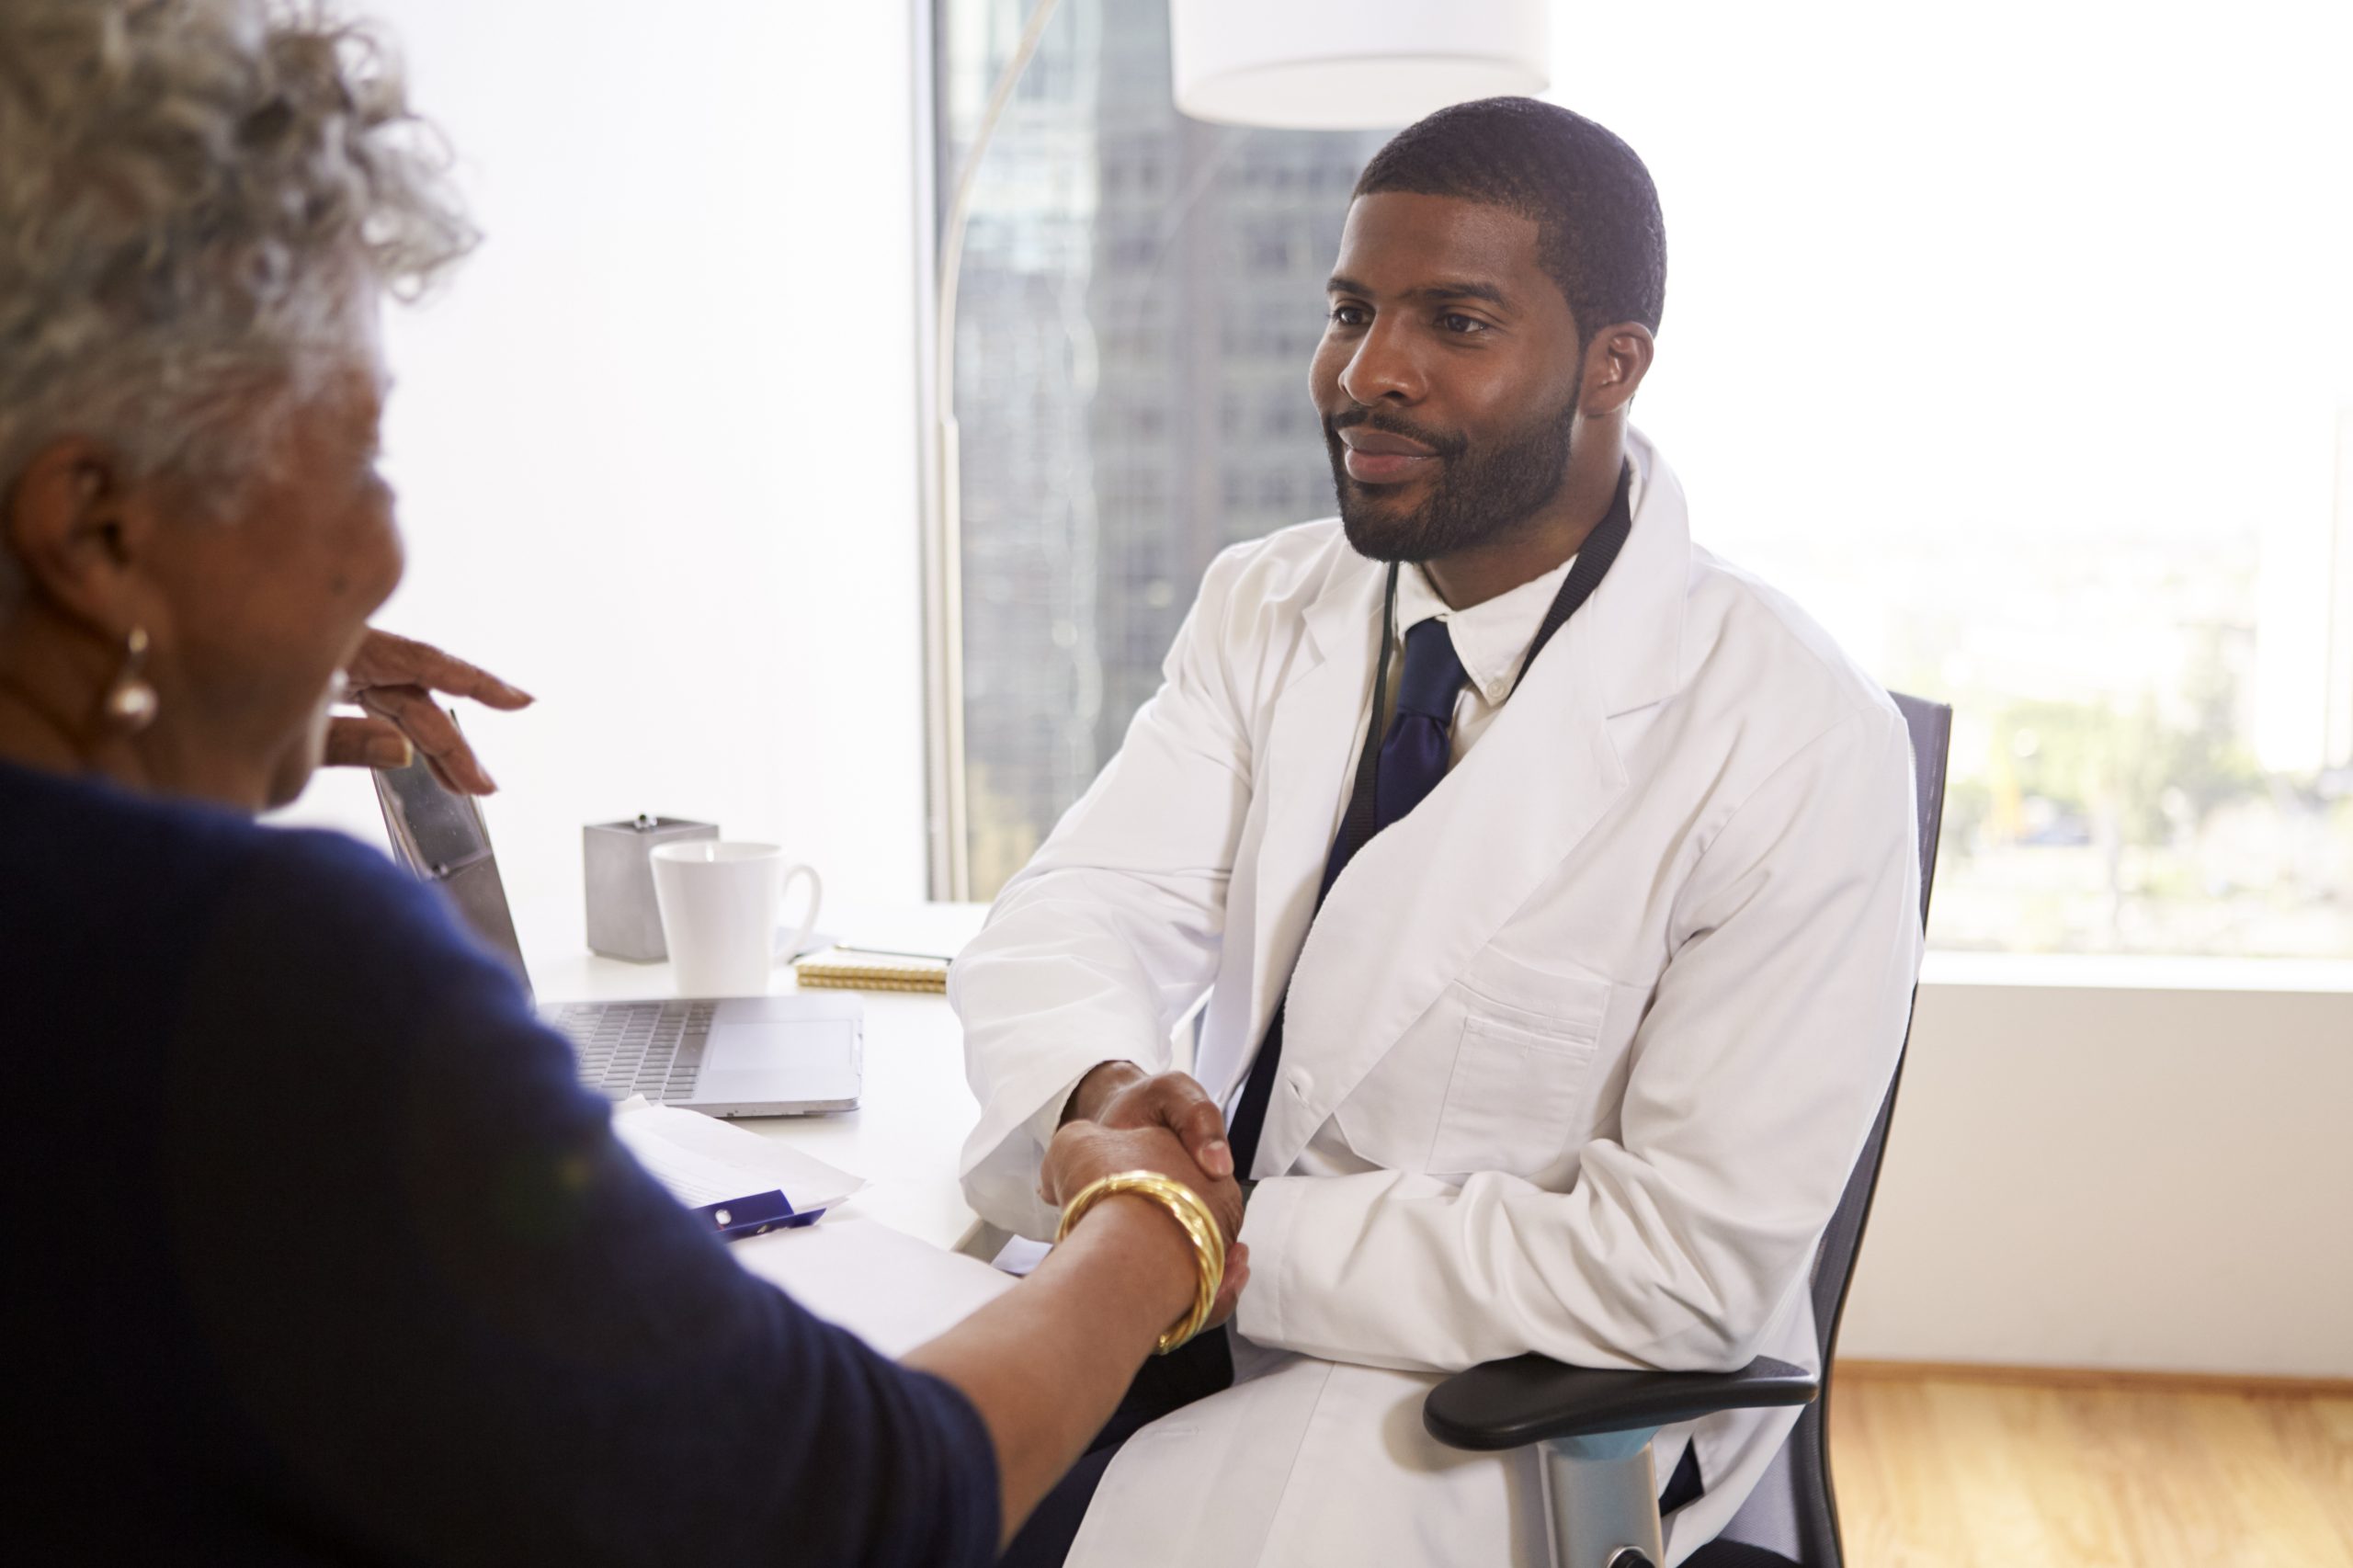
{"x":653,"y":1048}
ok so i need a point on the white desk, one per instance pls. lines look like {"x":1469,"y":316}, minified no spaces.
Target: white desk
{"x":916,"y":1111}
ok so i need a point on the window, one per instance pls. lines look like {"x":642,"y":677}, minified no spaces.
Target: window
{"x":2015,"y":344}
{"x":1123,"y":334}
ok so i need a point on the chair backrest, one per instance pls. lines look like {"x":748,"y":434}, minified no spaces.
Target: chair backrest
{"x":1794,"y":1510}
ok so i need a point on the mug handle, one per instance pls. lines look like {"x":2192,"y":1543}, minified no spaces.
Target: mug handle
{"x":787,"y":951}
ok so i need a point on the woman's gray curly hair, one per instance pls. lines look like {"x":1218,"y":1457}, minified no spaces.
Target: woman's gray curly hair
{"x":194,"y":195}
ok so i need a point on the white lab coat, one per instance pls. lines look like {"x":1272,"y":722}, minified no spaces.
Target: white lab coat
{"x":1604,"y":1021}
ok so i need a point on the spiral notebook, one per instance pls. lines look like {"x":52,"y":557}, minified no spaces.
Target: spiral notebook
{"x":854,"y":968}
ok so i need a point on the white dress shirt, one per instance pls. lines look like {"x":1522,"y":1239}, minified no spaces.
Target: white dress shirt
{"x":1491,"y":638}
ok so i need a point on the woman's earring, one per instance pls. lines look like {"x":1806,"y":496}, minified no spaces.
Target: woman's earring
{"x":130,"y":702}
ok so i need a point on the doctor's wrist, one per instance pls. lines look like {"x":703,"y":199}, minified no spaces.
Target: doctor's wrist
{"x":1101,"y":1083}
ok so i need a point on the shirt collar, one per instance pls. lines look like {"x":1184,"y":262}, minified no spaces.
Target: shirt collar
{"x":1491,"y":638}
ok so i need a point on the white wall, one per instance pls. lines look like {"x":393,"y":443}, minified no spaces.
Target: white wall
{"x":656,"y":445}
{"x":2151,"y":1177}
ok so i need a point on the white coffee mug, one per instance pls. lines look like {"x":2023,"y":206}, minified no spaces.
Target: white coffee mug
{"x":718,"y":899}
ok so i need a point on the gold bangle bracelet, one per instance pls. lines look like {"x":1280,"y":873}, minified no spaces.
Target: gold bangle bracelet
{"x":1185,"y":1206}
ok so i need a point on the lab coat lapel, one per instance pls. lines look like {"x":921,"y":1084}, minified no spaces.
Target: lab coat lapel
{"x":1302,"y":773}
{"x":1423,"y":897}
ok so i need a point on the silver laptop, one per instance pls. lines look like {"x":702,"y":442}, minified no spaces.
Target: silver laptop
{"x":791,"y":1055}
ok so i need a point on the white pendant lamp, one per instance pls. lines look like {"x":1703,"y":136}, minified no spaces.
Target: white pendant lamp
{"x":1363,"y":66}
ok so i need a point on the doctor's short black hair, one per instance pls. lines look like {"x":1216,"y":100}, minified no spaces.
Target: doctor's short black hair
{"x":1598,"y":228}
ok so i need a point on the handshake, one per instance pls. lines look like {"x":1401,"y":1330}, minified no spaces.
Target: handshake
{"x":1123,"y":1118}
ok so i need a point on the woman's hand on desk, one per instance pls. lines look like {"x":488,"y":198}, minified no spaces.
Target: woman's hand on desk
{"x":394,"y":679}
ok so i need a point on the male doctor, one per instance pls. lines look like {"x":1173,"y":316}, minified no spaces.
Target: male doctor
{"x":1550,"y":995}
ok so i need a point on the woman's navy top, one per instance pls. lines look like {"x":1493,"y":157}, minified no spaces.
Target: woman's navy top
{"x":317,"y":1251}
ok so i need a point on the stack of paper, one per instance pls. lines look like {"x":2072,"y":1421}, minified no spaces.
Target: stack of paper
{"x":887,"y":1288}
{"x":705,"y":1162}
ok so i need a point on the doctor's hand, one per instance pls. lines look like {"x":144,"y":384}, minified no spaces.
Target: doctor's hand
{"x":1120,"y":1094}
{"x":1083,"y":1151}
{"x":394,"y":680}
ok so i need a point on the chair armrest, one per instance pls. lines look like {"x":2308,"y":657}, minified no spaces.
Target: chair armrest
{"x":1532,"y":1399}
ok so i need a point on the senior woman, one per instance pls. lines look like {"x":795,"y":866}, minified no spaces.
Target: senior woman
{"x":316,"y":1251}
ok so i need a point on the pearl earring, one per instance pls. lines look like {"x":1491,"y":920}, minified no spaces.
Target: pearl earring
{"x":131,"y":703}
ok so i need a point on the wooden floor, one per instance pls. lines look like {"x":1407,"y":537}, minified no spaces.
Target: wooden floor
{"x":1946,"y":1471}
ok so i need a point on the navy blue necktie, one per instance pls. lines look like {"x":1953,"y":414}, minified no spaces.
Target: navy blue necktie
{"x":1414,"y":752}
{"x":1414,"y":757}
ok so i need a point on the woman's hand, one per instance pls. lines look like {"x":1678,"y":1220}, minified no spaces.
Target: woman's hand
{"x":1045,"y":1365}
{"x":394,"y":679}
{"x":1083,"y":1151}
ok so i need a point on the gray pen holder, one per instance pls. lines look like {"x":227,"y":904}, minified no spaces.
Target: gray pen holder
{"x":624,"y":922}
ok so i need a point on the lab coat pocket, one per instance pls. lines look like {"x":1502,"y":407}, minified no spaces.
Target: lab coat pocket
{"x":1515,"y":1093}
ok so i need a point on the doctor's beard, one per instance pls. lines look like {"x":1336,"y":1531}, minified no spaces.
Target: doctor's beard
{"x":1479,"y":496}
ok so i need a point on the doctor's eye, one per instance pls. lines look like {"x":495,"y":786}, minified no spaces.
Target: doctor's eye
{"x":1460,"y":324}
{"x":1349,"y":315}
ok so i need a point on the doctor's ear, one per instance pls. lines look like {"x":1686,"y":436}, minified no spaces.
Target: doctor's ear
{"x":1615,"y":363}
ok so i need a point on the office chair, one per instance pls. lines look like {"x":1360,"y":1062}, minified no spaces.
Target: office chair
{"x":1595,"y":1427}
